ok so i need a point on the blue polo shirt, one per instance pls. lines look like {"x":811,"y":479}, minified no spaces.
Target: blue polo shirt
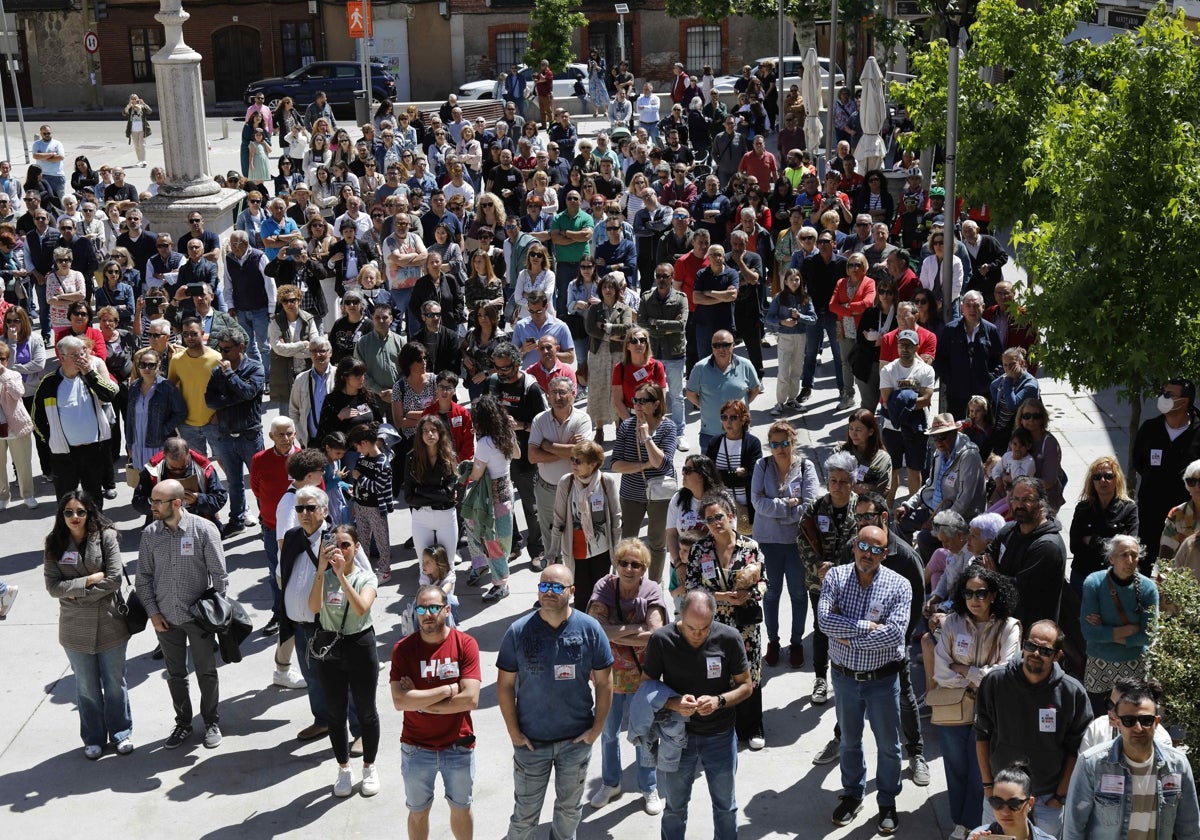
{"x":525,"y":329}
{"x":270,"y":227}
{"x":717,"y":387}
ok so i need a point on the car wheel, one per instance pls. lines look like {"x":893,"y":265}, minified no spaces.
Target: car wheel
{"x":273,"y":103}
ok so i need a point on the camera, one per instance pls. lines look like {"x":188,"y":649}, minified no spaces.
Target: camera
{"x":195,"y":289}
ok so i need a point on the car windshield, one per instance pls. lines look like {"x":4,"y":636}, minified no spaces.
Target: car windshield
{"x":296,"y":74}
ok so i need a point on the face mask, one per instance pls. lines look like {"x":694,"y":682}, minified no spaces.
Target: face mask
{"x":1165,"y":404}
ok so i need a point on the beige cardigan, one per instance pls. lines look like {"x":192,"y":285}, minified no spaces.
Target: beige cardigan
{"x":12,"y":389}
{"x":562,"y":538}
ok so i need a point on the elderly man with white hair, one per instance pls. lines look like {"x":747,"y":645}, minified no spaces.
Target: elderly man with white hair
{"x":309,"y":391}
{"x":969,"y":355}
{"x":250,"y":294}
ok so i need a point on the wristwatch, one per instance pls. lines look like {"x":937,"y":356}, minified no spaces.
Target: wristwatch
{"x":721,"y":701}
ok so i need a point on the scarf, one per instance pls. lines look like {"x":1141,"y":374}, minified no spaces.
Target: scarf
{"x":581,"y":496}
{"x":946,"y":461}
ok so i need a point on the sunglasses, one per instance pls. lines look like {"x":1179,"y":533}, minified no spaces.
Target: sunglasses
{"x":873,"y":550}
{"x":780,"y":444}
{"x":1033,"y":415}
{"x":1040,"y":650}
{"x":80,"y":514}
{"x":1014,"y":804}
{"x":432,"y":609}
{"x":866,"y":517}
{"x":722,"y":345}
{"x":555,"y":587}
{"x":716,"y":517}
{"x":731,"y":418}
{"x":686,"y":470}
{"x":629,"y":564}
{"x":147,"y":365}
{"x":1146,"y":721}
{"x":977,"y":594}
{"x":307,"y":509}
{"x":661,"y":275}
{"x":1191,"y":482}
{"x":644,"y":400}
{"x":1113,"y":477}
{"x":642,"y":340}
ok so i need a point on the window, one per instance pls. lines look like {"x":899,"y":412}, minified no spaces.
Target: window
{"x":143,"y":43}
{"x":704,"y":47}
{"x":297,"y":39}
{"x":510,"y":48}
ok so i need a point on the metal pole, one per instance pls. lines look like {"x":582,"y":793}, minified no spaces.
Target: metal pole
{"x":366,"y":52}
{"x":12,"y":75}
{"x":951,"y":164}
{"x":779,"y":71}
{"x":621,"y":36}
{"x":4,"y":120}
{"x":830,"y":145}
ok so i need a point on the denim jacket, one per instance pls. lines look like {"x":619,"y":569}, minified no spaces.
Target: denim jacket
{"x":1093,"y":814}
{"x":661,"y":732}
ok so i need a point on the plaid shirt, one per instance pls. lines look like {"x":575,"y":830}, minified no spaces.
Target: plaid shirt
{"x":175,"y":567}
{"x":846,"y":609}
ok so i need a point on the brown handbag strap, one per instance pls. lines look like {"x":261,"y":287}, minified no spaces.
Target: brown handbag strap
{"x":1117,"y":601}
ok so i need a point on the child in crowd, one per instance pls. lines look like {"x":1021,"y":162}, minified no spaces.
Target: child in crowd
{"x":437,"y":571}
{"x":372,"y":477}
{"x":1017,"y":461}
{"x":336,"y":486}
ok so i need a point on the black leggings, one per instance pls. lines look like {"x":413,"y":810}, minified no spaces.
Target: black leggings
{"x":820,"y":641}
{"x":356,"y":671}
{"x":587,"y":574}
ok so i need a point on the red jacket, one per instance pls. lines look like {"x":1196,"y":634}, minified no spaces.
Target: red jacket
{"x":269,"y":481}
{"x":926,"y":345}
{"x":460,"y":429}
{"x":842,"y":306}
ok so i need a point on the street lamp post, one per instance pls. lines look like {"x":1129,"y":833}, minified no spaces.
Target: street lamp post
{"x":622,"y":9}
{"x":830,"y":145}
{"x":957,"y":46}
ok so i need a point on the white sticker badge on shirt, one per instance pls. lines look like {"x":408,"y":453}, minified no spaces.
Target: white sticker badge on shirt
{"x":639,"y":374}
{"x":335,"y":598}
{"x":1047,"y":720}
{"x":708,"y":568}
{"x":448,"y":671}
{"x":456,"y":421}
{"x":70,"y":558}
{"x":1171,"y":782}
{"x":598,"y":502}
{"x":187,"y":546}
{"x":1112,"y":783}
{"x":875,"y":612}
{"x":860,"y":474}
{"x":564,"y":672}
{"x":824,"y":524}
{"x":962,"y":645}
{"x":1156,"y":457}
{"x":713,"y":667}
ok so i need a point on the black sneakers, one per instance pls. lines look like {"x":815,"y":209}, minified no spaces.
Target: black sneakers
{"x":178,"y":736}
{"x":847,"y":809}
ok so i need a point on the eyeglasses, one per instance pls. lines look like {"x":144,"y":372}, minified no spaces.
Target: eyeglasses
{"x":658,"y":275}
{"x":873,"y":550}
{"x":503,"y":369}
{"x":555,"y":587}
{"x":1014,"y":804}
{"x":63,"y":260}
{"x":612,"y":227}
{"x":977,"y":594}
{"x":1032,"y":415}
{"x":157,"y":502}
{"x":290,"y":300}
{"x":432,"y":609}
{"x":630,"y":564}
{"x":731,"y":418}
{"x":644,"y":400}
{"x":225,"y":350}
{"x":74,"y":513}
{"x":716,"y":517}
{"x":1192,"y":482}
{"x":1146,"y":721}
{"x":1040,"y":650}
{"x":306,"y":508}
{"x":722,"y":345}
{"x":807,"y":238}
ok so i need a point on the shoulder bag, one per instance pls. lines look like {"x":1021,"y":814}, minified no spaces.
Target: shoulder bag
{"x":130,"y":609}
{"x":956,"y":706}
{"x":659,"y":488}
{"x":323,"y":644}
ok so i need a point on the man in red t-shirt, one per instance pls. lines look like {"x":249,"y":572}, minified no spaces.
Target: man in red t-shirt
{"x":543,"y":86}
{"x":686,"y":269}
{"x":435,"y":681}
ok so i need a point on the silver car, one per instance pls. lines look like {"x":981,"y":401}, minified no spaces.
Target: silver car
{"x":564,"y":83}
{"x":793,"y":68}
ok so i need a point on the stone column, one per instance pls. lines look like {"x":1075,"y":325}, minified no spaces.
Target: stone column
{"x":190,"y":185}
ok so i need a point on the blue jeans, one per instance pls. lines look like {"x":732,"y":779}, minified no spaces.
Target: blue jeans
{"x":826,"y":325}
{"x":783,"y":563}
{"x":718,"y":755}
{"x":258,"y":347}
{"x":565,"y":274}
{"x":271,"y":547}
{"x":200,"y":437}
{"x":102,"y":696}
{"x":235,"y":454}
{"x":610,"y":748}
{"x":420,"y":768}
{"x":56,"y":183}
{"x":876,"y":702}
{"x":531,"y":776}
{"x":964,"y":785}
{"x":651,"y":130}
{"x":705,"y":440}
{"x":400,"y":299}
{"x":316,"y":694}
{"x":676,"y":402}
{"x":43,"y":309}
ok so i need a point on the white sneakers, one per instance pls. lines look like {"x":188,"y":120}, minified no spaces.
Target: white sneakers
{"x":344,"y":786}
{"x":92,"y":752}
{"x":125,"y":747}
{"x":682,"y":445}
{"x":370,"y":780}
{"x":7,"y":599}
{"x":31,"y":503}
{"x":653,"y":803}
{"x":606,"y":794}
{"x":287,"y":678}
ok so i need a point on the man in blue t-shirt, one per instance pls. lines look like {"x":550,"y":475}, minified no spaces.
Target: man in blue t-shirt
{"x":549,"y":660}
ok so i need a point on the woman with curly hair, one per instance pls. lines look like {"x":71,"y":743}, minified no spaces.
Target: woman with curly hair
{"x":495,"y":449}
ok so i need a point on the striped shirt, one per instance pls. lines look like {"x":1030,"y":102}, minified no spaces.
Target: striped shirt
{"x":627,"y":448}
{"x":846,"y":609}
{"x":1143,"y":807}
{"x":176,"y":566}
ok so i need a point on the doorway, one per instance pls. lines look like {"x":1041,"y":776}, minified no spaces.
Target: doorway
{"x":602,"y":36}
{"x":237,"y":61}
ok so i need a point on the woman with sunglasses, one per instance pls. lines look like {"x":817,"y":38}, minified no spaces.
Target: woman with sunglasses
{"x":582,"y":295}
{"x":730,"y":566}
{"x":928,"y":315}
{"x":698,"y":477}
{"x":83,"y":175}
{"x":644,"y":455}
{"x":114,"y":292}
{"x":853,"y":295}
{"x":607,"y":323}
{"x":637,"y":365}
{"x":482,"y":339}
{"x":130,"y":275}
{"x":977,"y":636}
{"x":79,"y":324}
{"x":341,"y":597}
{"x":324,"y":191}
{"x":489,"y":543}
{"x":630,"y":608}
{"x":535,"y":276}
{"x":64,"y":286}
{"x":483,"y":287}
{"x":1047,"y":453}
{"x":82,"y":569}
{"x":874,"y":198}
{"x":1116,"y":611}
{"x":1104,"y":511}
{"x":1012,"y":802}
{"x":349,"y":328}
{"x":251,"y":219}
{"x":735,"y":452}
{"x":587,"y":520}
{"x":286,"y":177}
{"x":155,"y":409}
{"x":782,"y":486}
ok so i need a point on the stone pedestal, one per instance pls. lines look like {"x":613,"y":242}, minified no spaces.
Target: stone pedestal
{"x":167,"y":214}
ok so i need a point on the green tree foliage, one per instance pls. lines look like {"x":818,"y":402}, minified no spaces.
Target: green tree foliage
{"x":1176,"y":652}
{"x":554,"y":22}
{"x":1114,"y":171}
{"x":998,"y":123}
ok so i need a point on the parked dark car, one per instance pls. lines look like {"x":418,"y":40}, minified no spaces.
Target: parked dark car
{"x":339,"y":80}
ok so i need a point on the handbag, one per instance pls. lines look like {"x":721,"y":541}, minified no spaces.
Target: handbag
{"x":660,"y":488}
{"x":323,"y":644}
{"x":956,"y":706}
{"x":130,"y":609}
{"x":213,"y":611}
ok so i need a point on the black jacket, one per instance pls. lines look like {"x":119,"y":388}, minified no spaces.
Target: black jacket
{"x":436,"y":491}
{"x":751,"y":455}
{"x":1092,"y":525}
{"x":1036,"y":563}
{"x":992,"y":255}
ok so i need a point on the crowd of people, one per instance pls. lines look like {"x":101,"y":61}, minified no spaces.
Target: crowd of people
{"x":447,"y":315}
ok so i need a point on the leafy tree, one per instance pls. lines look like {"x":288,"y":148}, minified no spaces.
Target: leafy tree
{"x":998,"y":121}
{"x":1176,"y":652}
{"x":554,"y":23}
{"x":1111,"y":250}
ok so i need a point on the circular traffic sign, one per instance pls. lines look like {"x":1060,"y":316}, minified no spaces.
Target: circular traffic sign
{"x":91,"y":42}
